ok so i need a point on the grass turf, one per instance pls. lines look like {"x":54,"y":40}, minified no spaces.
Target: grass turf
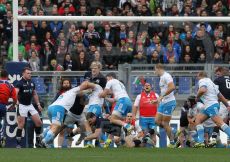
{"x":114,"y":155}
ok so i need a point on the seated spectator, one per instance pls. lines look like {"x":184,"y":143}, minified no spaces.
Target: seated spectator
{"x":33,"y":47}
{"x":68,"y":63}
{"x":187,"y":59}
{"x":107,"y":34}
{"x":48,"y":6}
{"x":202,"y":58}
{"x":139,"y":58}
{"x":156,"y":58}
{"x":53,"y":66}
{"x":98,"y":57}
{"x":34,"y":61}
{"x":217,"y":59}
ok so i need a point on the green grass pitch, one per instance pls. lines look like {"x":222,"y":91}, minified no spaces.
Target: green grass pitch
{"x":114,"y":155}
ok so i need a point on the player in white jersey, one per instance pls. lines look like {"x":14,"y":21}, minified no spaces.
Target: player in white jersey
{"x":167,"y":102}
{"x":56,"y":110}
{"x":123,"y":102}
{"x":209,"y":94}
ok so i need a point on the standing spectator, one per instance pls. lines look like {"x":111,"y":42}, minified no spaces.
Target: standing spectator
{"x":46,"y":55}
{"x":91,"y":37}
{"x":82,"y":63}
{"x":26,"y":91}
{"x":56,"y":27}
{"x":49,"y":38}
{"x":107,"y":34}
{"x":61,"y":51}
{"x":34,"y":61}
{"x":7,"y":91}
{"x":43,"y":30}
{"x":21,"y":49}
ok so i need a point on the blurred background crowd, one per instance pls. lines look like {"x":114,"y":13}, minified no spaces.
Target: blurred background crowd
{"x":72,"y":46}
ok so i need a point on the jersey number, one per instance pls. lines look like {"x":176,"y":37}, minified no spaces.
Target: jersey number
{"x":227,"y":83}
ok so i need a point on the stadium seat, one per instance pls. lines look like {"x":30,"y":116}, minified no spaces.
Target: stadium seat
{"x":39,"y":85}
{"x":184,"y":85}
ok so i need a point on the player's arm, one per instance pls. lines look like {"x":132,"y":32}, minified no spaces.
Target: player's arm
{"x":95,"y":135}
{"x":36,"y":99}
{"x":171,"y":88}
{"x":202,"y":90}
{"x":104,"y":93}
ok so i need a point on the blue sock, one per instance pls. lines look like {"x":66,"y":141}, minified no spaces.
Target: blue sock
{"x":45,"y":131}
{"x":226,"y":129}
{"x":49,"y":137}
{"x":200,"y":132}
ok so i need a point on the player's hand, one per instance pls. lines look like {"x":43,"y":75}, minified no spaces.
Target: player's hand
{"x":40,"y":108}
{"x":154,"y":101}
{"x":160,"y":98}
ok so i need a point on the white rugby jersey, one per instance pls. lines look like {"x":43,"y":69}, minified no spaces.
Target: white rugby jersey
{"x":117,"y":88}
{"x":165,"y":79}
{"x":94,"y":96}
{"x":67,"y":99}
{"x":210,"y":97}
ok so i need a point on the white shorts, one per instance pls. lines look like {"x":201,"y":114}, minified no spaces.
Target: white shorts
{"x":223,"y":112}
{"x":24,"y":109}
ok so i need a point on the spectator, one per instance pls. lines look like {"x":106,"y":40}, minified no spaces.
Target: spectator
{"x":21,"y":49}
{"x":98,"y":57}
{"x":66,"y":5}
{"x":155,"y":58}
{"x":217,"y":59}
{"x":53,"y":66}
{"x":139,"y":58}
{"x":46,"y":55}
{"x":48,"y":6}
{"x":21,"y":58}
{"x":34,"y":61}
{"x":202,"y":58}
{"x":107,"y":34}
{"x":68,"y":63}
{"x":187,"y":59}
{"x":49,"y":38}
{"x":91,"y":37}
{"x":110,"y":57}
{"x":61,"y":51}
{"x":82,"y":63}
{"x":171,"y":54}
{"x":56,"y":27}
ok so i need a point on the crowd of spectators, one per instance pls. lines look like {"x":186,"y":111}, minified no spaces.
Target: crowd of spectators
{"x":64,"y":45}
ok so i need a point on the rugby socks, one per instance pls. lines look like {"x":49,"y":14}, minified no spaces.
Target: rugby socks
{"x":38,"y":131}
{"x":19,"y":136}
{"x":200,"y":132}
{"x":226,"y":129}
{"x":49,"y":137}
{"x":45,"y":131}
